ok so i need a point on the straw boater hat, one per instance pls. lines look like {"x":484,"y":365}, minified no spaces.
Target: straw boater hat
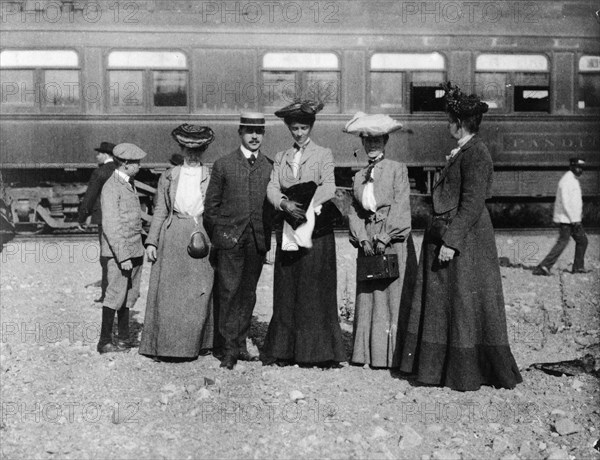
{"x":364,"y":125}
{"x":461,"y":105}
{"x":193,"y":136}
{"x":252,"y":119}
{"x":128,"y":152}
{"x":303,"y":111}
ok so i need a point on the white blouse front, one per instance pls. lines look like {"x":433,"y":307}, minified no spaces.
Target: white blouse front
{"x":188,"y":198}
{"x":368,"y":197}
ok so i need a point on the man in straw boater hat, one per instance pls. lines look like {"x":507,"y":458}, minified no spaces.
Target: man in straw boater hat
{"x":238,"y":219}
{"x":121,"y":245}
{"x":568,"y":208}
{"x":90,"y":205}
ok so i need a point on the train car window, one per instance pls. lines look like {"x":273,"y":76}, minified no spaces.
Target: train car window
{"x":148,"y":81}
{"x":59,"y":90}
{"x":589,"y":83}
{"x":287,"y":76}
{"x":491,"y":87}
{"x":39,"y":58}
{"x":144,"y":59}
{"x":39,"y":80}
{"x":15,"y":93}
{"x":513,"y":82}
{"x":170,"y":88}
{"x":403,"y":82}
{"x":281,"y":88}
{"x":126,"y":88}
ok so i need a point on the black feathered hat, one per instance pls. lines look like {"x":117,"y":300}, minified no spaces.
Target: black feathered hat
{"x":461,"y":105}
{"x":300,"y":110}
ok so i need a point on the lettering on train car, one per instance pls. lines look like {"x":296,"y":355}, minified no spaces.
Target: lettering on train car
{"x":549,"y":142}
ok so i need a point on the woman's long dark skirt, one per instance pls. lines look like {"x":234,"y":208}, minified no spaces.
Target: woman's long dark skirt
{"x":456,"y":334}
{"x":305,"y":326}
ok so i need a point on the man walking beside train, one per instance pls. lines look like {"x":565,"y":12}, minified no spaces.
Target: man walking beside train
{"x":90,"y":205}
{"x":237,"y":216}
{"x":568,"y":208}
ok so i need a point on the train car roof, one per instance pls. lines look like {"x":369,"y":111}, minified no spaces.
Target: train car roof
{"x":575,"y":18}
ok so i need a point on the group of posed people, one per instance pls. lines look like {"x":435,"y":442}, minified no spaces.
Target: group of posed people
{"x":442,"y":320}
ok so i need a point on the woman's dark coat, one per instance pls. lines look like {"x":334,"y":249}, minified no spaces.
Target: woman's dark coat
{"x":456,"y":334}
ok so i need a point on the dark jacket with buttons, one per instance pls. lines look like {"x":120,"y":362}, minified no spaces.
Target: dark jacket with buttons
{"x":236,"y":197}
{"x":460,"y":191}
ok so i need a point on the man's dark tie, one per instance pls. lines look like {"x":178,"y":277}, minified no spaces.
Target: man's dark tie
{"x":252,"y":159}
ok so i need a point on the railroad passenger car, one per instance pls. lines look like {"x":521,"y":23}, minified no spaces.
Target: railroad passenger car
{"x":77,"y":72}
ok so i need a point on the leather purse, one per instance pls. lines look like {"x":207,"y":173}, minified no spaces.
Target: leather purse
{"x":377,"y":267}
{"x":199,"y":246}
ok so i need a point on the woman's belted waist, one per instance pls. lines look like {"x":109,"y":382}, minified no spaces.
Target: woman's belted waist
{"x":380,"y":214}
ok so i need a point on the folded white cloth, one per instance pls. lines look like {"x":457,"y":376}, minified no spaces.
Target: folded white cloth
{"x":293,"y":240}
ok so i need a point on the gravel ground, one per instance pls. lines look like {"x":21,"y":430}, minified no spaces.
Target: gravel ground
{"x":60,"y":399}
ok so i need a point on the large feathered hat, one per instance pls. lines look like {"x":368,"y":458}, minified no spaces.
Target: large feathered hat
{"x":300,"y":110}
{"x":193,"y":136}
{"x":364,"y":125}
{"x":461,"y":105}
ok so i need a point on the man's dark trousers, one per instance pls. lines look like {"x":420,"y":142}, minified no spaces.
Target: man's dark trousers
{"x":238,"y":272}
{"x":581,"y":242}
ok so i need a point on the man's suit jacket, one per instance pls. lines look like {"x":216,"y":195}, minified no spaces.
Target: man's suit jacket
{"x":236,"y":197}
{"x":165,"y":200}
{"x":461,"y":190}
{"x":316,"y":164}
{"x":90,"y":205}
{"x":391,"y":188}
{"x":121,"y":220}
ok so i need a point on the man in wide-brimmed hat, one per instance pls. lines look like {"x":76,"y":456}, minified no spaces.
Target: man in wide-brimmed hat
{"x":121,"y":245}
{"x":237,"y":216}
{"x":90,"y":205}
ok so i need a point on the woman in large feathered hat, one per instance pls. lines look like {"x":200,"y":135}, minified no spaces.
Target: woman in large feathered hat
{"x":456,"y":334}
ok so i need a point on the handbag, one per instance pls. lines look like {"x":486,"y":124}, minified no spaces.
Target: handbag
{"x":199,"y":246}
{"x":377,"y":267}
